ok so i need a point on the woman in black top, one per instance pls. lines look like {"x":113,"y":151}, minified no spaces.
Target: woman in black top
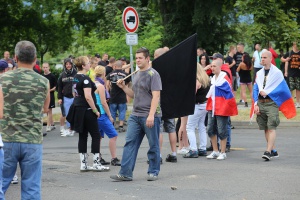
{"x":84,"y":113}
{"x":197,"y":119}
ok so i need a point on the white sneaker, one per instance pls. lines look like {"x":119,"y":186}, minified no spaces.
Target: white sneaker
{"x":48,"y":129}
{"x":99,"y":168}
{"x":71,"y":133}
{"x":66,"y":133}
{"x":297,"y":105}
{"x":222,"y":156}
{"x":62,"y":130}
{"x":15,"y":180}
{"x":182,"y":151}
{"x":213,"y":155}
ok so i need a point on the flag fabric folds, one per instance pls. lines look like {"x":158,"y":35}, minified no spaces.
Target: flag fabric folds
{"x":177,"y":69}
{"x":277,"y":89}
{"x":221,"y":100}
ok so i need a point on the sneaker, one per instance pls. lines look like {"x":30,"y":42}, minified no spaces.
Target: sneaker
{"x":213,"y":155}
{"x":246,"y":104}
{"x":202,"y":152}
{"x":99,"y":168}
{"x":15,"y":180}
{"x":232,"y":127}
{"x":227,"y":149}
{"x":119,"y":177}
{"x":297,"y":105}
{"x":121,"y":129}
{"x":152,"y":177}
{"x":222,"y":156}
{"x":182,"y":151}
{"x":115,"y":162}
{"x":85,"y":168}
{"x":66,"y":133}
{"x":274,"y":154}
{"x":191,"y":154}
{"x":48,"y":129}
{"x":171,"y":158}
{"x":44,"y":134}
{"x":266,"y":156}
{"x":71,"y":133}
{"x":103,"y":162}
{"x":52,"y":127}
{"x":62,"y":130}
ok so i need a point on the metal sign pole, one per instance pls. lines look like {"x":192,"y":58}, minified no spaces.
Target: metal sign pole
{"x":131,"y":61}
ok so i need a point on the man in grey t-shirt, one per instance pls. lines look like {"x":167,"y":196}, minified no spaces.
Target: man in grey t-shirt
{"x":144,"y":120}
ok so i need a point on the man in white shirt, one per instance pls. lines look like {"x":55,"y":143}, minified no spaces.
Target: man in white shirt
{"x":256,"y":59}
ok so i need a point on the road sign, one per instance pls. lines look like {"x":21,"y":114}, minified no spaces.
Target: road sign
{"x":131,"y":39}
{"x":130,"y":19}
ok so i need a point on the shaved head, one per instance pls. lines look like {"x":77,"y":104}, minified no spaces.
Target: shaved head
{"x":266,"y":58}
{"x":159,"y":52}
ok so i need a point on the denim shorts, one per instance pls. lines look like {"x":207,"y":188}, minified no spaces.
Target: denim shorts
{"x":106,"y":126}
{"x":167,"y":125}
{"x":118,"y":107}
{"x":217,"y":125}
{"x":269,"y":116}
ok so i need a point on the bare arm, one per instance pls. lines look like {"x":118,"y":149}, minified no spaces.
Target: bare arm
{"x":90,"y":101}
{"x":154,"y":104}
{"x":286,"y":65}
{"x":47,"y":100}
{"x":101,"y":91}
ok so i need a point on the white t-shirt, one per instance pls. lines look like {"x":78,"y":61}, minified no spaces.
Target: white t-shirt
{"x":257,"y":57}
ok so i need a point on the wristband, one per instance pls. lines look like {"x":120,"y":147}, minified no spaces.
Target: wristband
{"x":95,"y":111}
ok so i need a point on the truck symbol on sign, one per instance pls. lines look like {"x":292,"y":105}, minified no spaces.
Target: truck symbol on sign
{"x":131,"y":19}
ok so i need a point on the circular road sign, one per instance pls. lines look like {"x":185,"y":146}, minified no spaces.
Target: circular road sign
{"x":130,"y":19}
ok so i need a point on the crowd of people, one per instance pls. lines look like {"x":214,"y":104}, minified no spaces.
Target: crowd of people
{"x":93,"y":92}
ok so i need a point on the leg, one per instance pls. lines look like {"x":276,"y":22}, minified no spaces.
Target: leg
{"x":91,"y":124}
{"x":161,"y":138}
{"x":67,"y":104}
{"x":153,"y":140}
{"x":31,"y":170}
{"x":134,"y":137}
{"x":11,"y":158}
{"x":222,"y":124}
{"x":113,"y":147}
{"x":1,"y":175}
{"x":202,"y":130}
{"x":212,"y":131}
{"x":113,"y":110}
{"x":243,"y":92}
{"x":122,"y":113}
{"x":270,"y":136}
{"x":192,"y":123}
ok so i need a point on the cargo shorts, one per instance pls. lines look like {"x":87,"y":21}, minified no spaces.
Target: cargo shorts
{"x":269,"y":116}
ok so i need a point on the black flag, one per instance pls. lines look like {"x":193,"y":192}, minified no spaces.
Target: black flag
{"x":177,"y":69}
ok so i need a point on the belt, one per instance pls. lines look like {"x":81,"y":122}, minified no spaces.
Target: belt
{"x":264,"y":100}
{"x":201,"y":102}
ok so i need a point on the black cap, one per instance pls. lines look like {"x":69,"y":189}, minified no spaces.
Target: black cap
{"x":97,"y":55}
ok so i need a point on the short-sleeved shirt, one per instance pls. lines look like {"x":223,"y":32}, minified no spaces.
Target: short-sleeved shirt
{"x":294,"y":63}
{"x":24,"y":94}
{"x":80,"y":82}
{"x":52,"y":80}
{"x":257,"y":57}
{"x":238,"y":59}
{"x":117,"y":95}
{"x":143,"y":84}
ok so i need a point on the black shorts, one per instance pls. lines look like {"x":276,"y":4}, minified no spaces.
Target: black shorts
{"x":52,"y":100}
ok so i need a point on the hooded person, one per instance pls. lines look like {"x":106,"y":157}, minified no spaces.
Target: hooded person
{"x":3,"y":66}
{"x":65,"y":95}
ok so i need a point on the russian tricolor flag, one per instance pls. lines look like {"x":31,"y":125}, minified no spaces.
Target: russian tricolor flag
{"x":220,"y":97}
{"x":277,"y":89}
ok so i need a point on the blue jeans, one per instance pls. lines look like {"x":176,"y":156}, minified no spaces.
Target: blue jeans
{"x":67,"y":104}
{"x":1,"y":169}
{"x":228,"y":144}
{"x":113,"y":107}
{"x":135,"y":133}
{"x":29,"y":157}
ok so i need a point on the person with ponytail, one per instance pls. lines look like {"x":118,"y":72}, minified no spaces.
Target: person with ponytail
{"x":105,"y":121}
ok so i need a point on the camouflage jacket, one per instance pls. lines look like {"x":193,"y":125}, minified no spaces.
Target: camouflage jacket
{"x":24,"y":93}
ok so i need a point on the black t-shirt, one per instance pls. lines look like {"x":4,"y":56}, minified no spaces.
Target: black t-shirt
{"x":80,"y":82}
{"x":229,"y":60}
{"x":238,"y":59}
{"x":117,"y":95}
{"x":108,"y":69}
{"x":201,"y":94}
{"x":103,"y":63}
{"x":52,"y":80}
{"x":294,"y":63}
{"x":264,"y":84}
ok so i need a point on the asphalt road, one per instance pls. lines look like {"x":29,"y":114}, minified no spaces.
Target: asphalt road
{"x":243,"y":175}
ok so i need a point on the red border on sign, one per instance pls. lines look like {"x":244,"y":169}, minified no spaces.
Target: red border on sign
{"x":124,"y":20}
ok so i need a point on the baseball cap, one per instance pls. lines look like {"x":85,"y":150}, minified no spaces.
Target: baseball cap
{"x":123,"y":59}
{"x":97,"y":55}
{"x":3,"y":64}
{"x":217,"y":55}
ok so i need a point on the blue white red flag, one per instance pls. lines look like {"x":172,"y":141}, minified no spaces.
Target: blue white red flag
{"x":277,"y":89}
{"x":221,"y":100}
